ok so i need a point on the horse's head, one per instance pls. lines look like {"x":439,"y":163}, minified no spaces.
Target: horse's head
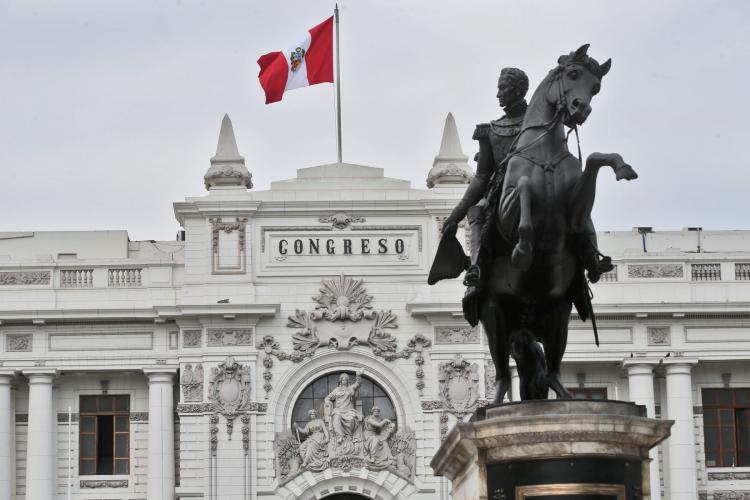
{"x":574,"y":82}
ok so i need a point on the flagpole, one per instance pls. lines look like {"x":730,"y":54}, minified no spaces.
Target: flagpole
{"x":338,"y":85}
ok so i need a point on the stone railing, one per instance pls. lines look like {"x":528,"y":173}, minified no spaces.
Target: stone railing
{"x":125,"y":278}
{"x":705,"y":272}
{"x":742,"y":271}
{"x":76,"y":278}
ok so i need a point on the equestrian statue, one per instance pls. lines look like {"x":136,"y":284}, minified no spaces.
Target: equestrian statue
{"x":533,"y":244}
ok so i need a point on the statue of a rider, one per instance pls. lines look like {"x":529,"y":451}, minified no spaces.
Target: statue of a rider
{"x":496,"y":140}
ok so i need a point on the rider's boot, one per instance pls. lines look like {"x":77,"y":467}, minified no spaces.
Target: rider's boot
{"x":472,"y":278}
{"x":594,"y":261}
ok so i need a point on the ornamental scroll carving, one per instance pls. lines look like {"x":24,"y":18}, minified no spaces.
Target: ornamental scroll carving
{"x":456,"y":335}
{"x":343,"y":317}
{"x":229,"y":390}
{"x":340,"y":220}
{"x":229,"y":337}
{"x":459,"y":385}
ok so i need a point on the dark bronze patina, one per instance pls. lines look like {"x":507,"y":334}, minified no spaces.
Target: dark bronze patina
{"x":534,"y":247}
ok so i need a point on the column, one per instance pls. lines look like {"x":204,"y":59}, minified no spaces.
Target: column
{"x":6,"y":434}
{"x":641,"y":391}
{"x":161,"y":465}
{"x":515,"y":384}
{"x":41,"y":447}
{"x":682,"y":464}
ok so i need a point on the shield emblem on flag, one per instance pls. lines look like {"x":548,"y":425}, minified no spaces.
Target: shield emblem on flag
{"x":295,"y":60}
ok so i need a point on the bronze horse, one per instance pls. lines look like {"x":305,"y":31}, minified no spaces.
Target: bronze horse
{"x":541,"y":214}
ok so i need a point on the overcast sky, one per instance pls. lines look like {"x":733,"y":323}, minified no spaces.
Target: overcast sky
{"x":110,"y":110}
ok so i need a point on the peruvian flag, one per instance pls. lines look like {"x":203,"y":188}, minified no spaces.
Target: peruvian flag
{"x":305,"y":63}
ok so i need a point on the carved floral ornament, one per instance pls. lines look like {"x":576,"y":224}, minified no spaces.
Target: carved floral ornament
{"x":343,"y":318}
{"x":340,"y":220}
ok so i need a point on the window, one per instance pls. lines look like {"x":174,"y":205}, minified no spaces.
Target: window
{"x":313,"y":397}
{"x":104,"y":435}
{"x":589,"y":393}
{"x":726,"y":427}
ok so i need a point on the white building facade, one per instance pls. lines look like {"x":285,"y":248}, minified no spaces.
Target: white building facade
{"x":188,"y":369}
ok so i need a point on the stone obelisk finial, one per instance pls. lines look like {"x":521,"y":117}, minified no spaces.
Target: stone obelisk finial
{"x":451,"y":164}
{"x":227,"y":166}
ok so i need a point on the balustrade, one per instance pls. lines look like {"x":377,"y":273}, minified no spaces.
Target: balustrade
{"x":77,"y":278}
{"x":123,"y":278}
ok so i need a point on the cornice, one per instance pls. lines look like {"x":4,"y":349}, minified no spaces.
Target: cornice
{"x":146,"y":313}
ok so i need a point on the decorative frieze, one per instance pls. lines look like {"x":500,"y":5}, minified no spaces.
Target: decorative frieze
{"x":191,"y":338}
{"x":201,"y":408}
{"x":732,"y":495}
{"x":659,"y":335}
{"x":86,"y":484}
{"x":655,"y":271}
{"x":432,"y":405}
{"x":729,"y":476}
{"x":18,"y":278}
{"x":19,"y":342}
{"x":459,"y":385}
{"x":139,"y":416}
{"x":456,"y":335}
{"x":229,"y":337}
{"x":192,"y":383}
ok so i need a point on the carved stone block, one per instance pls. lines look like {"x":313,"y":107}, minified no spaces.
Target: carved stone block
{"x":192,"y":383}
{"x":192,"y":338}
{"x":456,"y":335}
{"x":25,"y":278}
{"x":659,"y":335}
{"x":227,"y":337}
{"x":19,"y":342}
{"x":459,"y":385}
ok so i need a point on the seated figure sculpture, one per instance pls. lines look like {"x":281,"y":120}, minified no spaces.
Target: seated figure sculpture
{"x":376,"y":433}
{"x":314,"y":450}
{"x":343,"y":418}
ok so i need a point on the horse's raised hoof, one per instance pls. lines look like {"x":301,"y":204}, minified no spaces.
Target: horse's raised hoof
{"x":521,"y":257}
{"x":626,"y":172}
{"x":501,"y":389}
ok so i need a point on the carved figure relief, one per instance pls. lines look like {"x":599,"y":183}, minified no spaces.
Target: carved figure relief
{"x":456,"y":335}
{"x":229,"y":390}
{"x":345,"y":439}
{"x":18,"y":343}
{"x":340,"y":220}
{"x":459,"y":385}
{"x":192,"y":383}
{"x":489,"y":379}
{"x":224,"y":337}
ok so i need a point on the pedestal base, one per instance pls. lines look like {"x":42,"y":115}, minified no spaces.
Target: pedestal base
{"x":555,"y":449}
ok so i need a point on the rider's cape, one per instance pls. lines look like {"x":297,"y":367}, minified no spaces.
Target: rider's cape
{"x":450,"y":260}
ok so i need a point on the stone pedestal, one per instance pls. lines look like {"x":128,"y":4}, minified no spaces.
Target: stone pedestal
{"x":573,"y":449}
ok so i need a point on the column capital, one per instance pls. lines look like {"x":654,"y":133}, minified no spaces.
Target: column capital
{"x":161,"y":374}
{"x":40,"y":375}
{"x":675,"y":366}
{"x":640,"y":366}
{"x":7,"y":375}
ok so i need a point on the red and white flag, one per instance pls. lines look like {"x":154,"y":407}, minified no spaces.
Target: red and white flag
{"x":302,"y":64}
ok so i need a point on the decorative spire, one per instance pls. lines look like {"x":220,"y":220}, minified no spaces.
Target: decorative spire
{"x":227,"y":166}
{"x":451,"y":164}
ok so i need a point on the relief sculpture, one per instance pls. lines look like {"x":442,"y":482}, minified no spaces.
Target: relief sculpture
{"x":345,"y":439}
{"x":229,"y":390}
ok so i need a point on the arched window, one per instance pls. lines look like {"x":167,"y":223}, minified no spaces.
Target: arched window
{"x":313,"y":397}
